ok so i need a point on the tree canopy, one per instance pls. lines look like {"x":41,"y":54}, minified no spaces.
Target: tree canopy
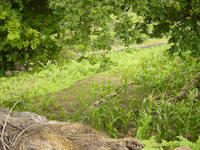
{"x":180,"y":19}
{"x":30,"y":29}
{"x":26,"y":32}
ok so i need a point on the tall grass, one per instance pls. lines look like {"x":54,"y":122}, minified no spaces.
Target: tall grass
{"x":26,"y":86}
{"x":141,"y":110}
{"x":145,"y":110}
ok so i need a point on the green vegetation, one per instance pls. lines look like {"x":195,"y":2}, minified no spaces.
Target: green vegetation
{"x":145,"y":106}
{"x":27,"y":33}
{"x":141,"y":109}
{"x":73,"y":75}
{"x":152,"y":145}
{"x":34,"y":32}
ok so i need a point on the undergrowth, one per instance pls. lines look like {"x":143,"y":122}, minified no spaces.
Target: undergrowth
{"x":140,"y":110}
{"x":143,"y":110}
{"x":151,"y":144}
{"x":28,"y":86}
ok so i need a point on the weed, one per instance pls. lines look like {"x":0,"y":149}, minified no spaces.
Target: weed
{"x":151,"y":144}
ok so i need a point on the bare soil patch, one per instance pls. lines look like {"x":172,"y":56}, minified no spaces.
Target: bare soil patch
{"x":83,"y":91}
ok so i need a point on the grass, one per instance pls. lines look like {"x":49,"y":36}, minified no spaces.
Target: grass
{"x":181,"y":141}
{"x":141,"y":110}
{"x":156,"y":78}
{"x":53,"y":78}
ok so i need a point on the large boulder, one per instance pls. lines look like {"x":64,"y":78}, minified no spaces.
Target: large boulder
{"x":29,"y":131}
{"x":182,"y":148}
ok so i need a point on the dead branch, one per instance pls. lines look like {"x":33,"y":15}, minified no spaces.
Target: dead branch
{"x":183,"y":93}
{"x":111,"y":95}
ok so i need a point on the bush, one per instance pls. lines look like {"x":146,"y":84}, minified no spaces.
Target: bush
{"x":27,"y":33}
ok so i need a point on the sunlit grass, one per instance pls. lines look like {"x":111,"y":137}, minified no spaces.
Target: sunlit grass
{"x":55,"y":77}
{"x":140,"y":110}
{"x":51,"y":79}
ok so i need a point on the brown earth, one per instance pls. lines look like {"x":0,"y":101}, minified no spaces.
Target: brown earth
{"x":83,"y":92}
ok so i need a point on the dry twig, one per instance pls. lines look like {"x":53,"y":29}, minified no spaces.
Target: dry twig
{"x":4,"y":127}
{"x":183,"y":93}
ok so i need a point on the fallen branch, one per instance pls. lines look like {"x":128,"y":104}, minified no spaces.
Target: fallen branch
{"x":109,"y":96}
{"x":183,"y":93}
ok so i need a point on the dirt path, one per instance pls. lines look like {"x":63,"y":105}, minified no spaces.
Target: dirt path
{"x":78,"y":98}
{"x":84,"y":92}
{"x":141,"y":46}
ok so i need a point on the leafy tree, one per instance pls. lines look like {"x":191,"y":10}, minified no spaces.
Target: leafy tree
{"x":179,"y":18}
{"x":91,"y":23}
{"x":27,"y":30}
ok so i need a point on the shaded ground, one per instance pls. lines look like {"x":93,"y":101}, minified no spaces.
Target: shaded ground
{"x":70,"y":102}
{"x":83,"y":92}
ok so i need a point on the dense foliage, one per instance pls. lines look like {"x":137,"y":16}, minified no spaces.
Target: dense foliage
{"x":40,"y":31}
{"x":177,"y":18}
{"x":29,"y":29}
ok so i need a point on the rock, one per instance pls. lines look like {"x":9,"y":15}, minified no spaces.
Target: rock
{"x":29,"y":131}
{"x":182,"y":148}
